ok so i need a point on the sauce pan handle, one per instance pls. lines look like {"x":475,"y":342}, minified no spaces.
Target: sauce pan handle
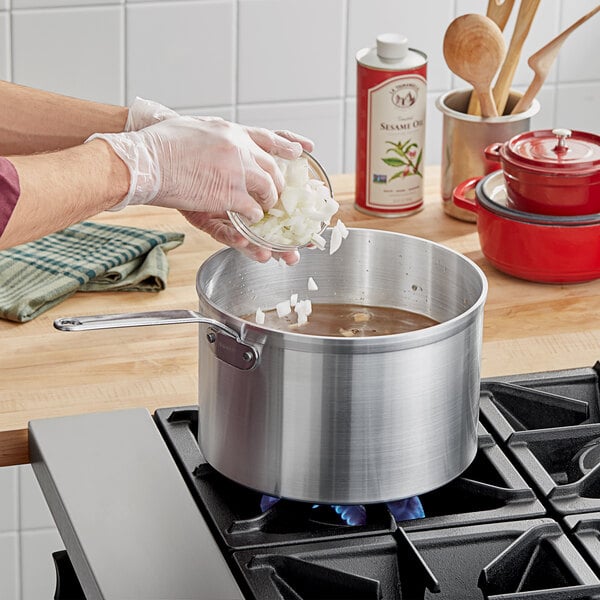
{"x":224,"y":341}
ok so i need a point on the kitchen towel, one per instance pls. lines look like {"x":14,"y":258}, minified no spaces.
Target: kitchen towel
{"x":86,"y":257}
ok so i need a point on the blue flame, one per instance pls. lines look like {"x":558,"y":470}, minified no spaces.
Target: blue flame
{"x":406,"y":509}
{"x":356,"y":514}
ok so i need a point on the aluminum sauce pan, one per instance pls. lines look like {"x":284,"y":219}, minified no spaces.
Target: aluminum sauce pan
{"x":345,"y":420}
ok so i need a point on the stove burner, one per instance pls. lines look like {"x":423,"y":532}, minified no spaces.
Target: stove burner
{"x":355,"y":515}
{"x":584,"y":461}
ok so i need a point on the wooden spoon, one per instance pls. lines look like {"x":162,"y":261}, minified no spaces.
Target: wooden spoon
{"x":474,"y":50}
{"x":541,"y":62}
{"x":499,"y":12}
{"x":525,"y":17}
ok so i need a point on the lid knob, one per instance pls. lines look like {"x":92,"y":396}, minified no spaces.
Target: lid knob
{"x":392,"y":46}
{"x":561,"y":135}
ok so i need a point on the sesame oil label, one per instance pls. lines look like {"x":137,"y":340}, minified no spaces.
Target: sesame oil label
{"x":395,"y":143}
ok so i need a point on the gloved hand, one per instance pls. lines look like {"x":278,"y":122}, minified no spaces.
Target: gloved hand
{"x":143,"y":113}
{"x":203,"y":164}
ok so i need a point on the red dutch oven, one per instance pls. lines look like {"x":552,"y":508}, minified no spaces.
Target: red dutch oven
{"x":551,"y":172}
{"x":542,"y":248}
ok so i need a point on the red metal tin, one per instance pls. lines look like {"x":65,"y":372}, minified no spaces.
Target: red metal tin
{"x":390,"y":127}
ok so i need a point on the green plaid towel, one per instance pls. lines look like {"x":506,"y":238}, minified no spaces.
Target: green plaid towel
{"x":86,"y":257}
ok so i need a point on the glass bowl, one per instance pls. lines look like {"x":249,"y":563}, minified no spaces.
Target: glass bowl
{"x":315,"y":171}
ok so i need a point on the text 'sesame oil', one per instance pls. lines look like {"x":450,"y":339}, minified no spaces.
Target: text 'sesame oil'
{"x":390,"y":127}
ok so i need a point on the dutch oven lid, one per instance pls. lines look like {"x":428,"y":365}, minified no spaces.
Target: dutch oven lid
{"x":572,"y":152}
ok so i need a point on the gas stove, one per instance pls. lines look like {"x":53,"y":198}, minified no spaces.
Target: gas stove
{"x":142,"y":515}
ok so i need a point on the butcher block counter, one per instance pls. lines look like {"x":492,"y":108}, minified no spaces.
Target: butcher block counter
{"x":528,"y":327}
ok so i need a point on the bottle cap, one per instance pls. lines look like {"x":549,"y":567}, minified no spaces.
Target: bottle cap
{"x":392,"y":46}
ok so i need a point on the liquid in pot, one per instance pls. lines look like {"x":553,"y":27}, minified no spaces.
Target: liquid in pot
{"x":349,"y":320}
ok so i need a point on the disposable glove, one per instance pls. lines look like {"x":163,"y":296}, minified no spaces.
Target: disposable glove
{"x":143,"y":113}
{"x":203,"y":164}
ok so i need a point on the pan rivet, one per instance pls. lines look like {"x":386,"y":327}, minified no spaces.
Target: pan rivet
{"x":248,"y":356}
{"x":211,"y":337}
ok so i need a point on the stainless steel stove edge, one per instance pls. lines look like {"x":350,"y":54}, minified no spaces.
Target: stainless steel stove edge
{"x":127,"y":519}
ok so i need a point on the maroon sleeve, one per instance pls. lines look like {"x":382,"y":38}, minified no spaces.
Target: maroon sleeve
{"x":9,"y":191}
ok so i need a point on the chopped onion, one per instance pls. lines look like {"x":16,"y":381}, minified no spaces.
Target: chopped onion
{"x":304,"y":206}
{"x":312,"y":286}
{"x":308,"y":307}
{"x":319,"y":241}
{"x":293,"y":300}
{"x":343,"y":229}
{"x":336,"y":240}
{"x":260,"y":317}
{"x":283,"y":308}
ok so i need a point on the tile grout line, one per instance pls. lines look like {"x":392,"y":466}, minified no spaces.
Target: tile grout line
{"x":344,"y":91}
{"x":236,"y":57}
{"x":124,"y":98}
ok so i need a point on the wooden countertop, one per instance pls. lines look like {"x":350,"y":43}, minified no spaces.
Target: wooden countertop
{"x":528,"y":327}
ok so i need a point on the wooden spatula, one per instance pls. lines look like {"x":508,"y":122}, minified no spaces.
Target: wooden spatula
{"x":541,"y":62}
{"x":525,"y":17}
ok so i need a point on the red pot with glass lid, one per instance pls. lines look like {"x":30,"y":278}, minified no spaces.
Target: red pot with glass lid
{"x":551,"y":172}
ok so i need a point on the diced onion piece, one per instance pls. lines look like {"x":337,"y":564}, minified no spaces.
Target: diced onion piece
{"x":318,"y":241}
{"x":304,"y":206}
{"x":308,"y":307}
{"x":361,"y":317}
{"x":302,"y":318}
{"x":260,"y":317}
{"x":293,"y":300}
{"x":283,"y":308}
{"x":346,"y":332}
{"x":312,"y":285}
{"x":335,"y":241}
{"x":342,"y":228}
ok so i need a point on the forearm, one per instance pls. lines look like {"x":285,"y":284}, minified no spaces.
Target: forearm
{"x":61,"y":188}
{"x":34,"y":121}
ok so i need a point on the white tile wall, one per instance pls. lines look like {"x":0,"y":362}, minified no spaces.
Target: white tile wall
{"x":38,"y":576}
{"x":181,"y":53}
{"x":73,"y":51}
{"x":291,"y":50}
{"x":279,"y":63}
{"x":28,"y":537}
{"x":4,"y":45}
{"x":9,"y":499}
{"x":275,"y":63}
{"x":10,"y":579}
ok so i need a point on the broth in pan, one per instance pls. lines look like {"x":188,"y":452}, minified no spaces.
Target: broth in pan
{"x":348,"y":320}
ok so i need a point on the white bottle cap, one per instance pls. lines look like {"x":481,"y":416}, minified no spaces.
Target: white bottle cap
{"x":392,"y":46}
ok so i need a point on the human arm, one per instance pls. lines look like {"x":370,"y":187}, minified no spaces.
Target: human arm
{"x":34,"y":121}
{"x":58,"y":189}
{"x":204,"y":167}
